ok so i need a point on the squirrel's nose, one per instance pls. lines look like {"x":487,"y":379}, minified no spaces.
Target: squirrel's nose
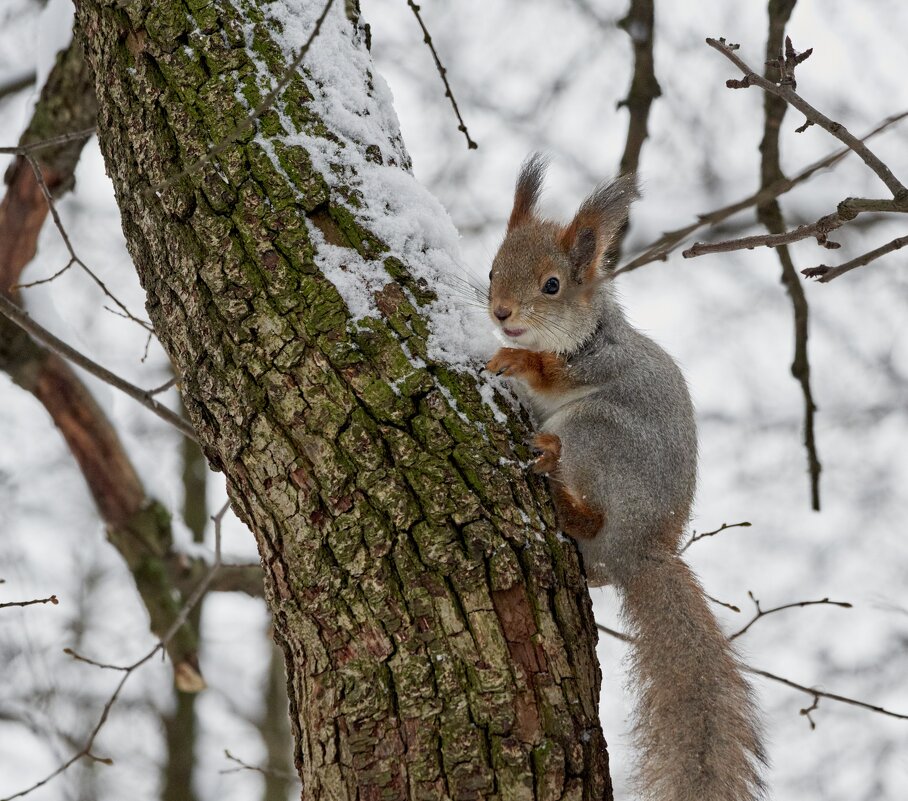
{"x":502,"y":312}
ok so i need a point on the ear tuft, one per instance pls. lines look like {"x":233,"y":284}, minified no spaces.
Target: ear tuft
{"x":594,"y":229}
{"x":529,"y":185}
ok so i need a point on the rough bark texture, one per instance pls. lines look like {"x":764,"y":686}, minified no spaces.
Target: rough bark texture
{"x":438,"y":636}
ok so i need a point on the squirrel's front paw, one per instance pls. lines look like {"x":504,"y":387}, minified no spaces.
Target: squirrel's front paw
{"x":510,"y":362}
{"x":549,"y":448}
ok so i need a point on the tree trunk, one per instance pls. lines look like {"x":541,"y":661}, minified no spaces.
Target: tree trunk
{"x":438,"y":634}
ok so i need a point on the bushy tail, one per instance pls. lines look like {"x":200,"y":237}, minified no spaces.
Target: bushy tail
{"x":697,"y":729}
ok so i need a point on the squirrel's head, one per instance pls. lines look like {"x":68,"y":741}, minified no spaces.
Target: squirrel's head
{"x":546,"y":277}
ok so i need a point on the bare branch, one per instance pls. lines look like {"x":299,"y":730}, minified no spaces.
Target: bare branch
{"x":73,"y":258}
{"x":264,"y":771}
{"x":764,"y":612}
{"x":53,"y":141}
{"x":51,"y":600}
{"x":163,"y":388}
{"x":770,"y":215}
{"x":839,"y":131}
{"x":48,"y":280}
{"x":11,"y":311}
{"x":825,"y":273}
{"x":811,"y":691}
{"x":17,"y":83}
{"x":671,"y":240}
{"x":618,"y":635}
{"x":695,"y":536}
{"x":639,"y":24}
{"x":442,"y":72}
{"x":727,"y":605}
{"x":94,"y":663}
{"x":846,"y":211}
{"x":129,"y":670}
{"x":817,"y":694}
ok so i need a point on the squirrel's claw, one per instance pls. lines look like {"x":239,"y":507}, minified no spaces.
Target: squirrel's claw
{"x":548,"y":448}
{"x":503,"y":362}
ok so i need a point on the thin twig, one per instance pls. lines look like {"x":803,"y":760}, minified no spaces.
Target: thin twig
{"x":817,"y":694}
{"x":442,"y":72}
{"x":713,"y":533}
{"x":51,"y":600}
{"x":39,"y":177}
{"x":21,"y":318}
{"x":671,"y":240}
{"x":846,"y":211}
{"x":62,"y":139}
{"x":17,"y":84}
{"x":163,"y":388}
{"x":764,"y":612}
{"x":247,"y":123}
{"x":811,"y":691}
{"x":825,"y":273}
{"x":264,"y":771}
{"x":49,"y":279}
{"x":128,"y":670}
{"x":723,"y":603}
{"x":839,"y":131}
{"x":814,"y":705}
{"x":103,"y":665}
{"x":618,"y":635}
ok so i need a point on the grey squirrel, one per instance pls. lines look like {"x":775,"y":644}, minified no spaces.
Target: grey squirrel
{"x":618,"y":442}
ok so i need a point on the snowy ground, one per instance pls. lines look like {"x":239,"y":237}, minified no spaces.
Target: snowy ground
{"x":538,"y":75}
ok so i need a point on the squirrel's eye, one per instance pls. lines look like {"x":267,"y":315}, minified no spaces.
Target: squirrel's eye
{"x":490,"y":275}
{"x":551,"y":286}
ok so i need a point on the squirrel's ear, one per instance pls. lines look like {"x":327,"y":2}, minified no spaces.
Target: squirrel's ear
{"x":588,"y":238}
{"x":529,"y":184}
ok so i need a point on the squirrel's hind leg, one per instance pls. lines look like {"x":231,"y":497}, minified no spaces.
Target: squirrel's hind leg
{"x":576,"y":517}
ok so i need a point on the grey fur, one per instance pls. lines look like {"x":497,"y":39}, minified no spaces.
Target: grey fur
{"x":629,"y":448}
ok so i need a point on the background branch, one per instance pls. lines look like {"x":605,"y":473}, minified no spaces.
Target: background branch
{"x":761,"y":613}
{"x":769,"y":213}
{"x":17,"y":83}
{"x":815,"y":693}
{"x":825,"y":273}
{"x":695,"y":536}
{"x":443,"y":74}
{"x":51,"y":600}
{"x":639,"y":24}
{"x":787,"y":94}
{"x":178,"y":623}
{"x":671,"y":240}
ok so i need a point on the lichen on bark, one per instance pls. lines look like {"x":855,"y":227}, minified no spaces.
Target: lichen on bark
{"x":437,"y":632}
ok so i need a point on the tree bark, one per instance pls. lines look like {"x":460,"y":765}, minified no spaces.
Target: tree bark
{"x":437,"y":633}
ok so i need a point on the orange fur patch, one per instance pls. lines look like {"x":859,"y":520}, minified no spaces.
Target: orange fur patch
{"x":576,"y":517}
{"x":543,"y":372}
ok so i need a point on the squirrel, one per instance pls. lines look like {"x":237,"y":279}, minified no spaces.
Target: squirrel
{"x":618,"y":442}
